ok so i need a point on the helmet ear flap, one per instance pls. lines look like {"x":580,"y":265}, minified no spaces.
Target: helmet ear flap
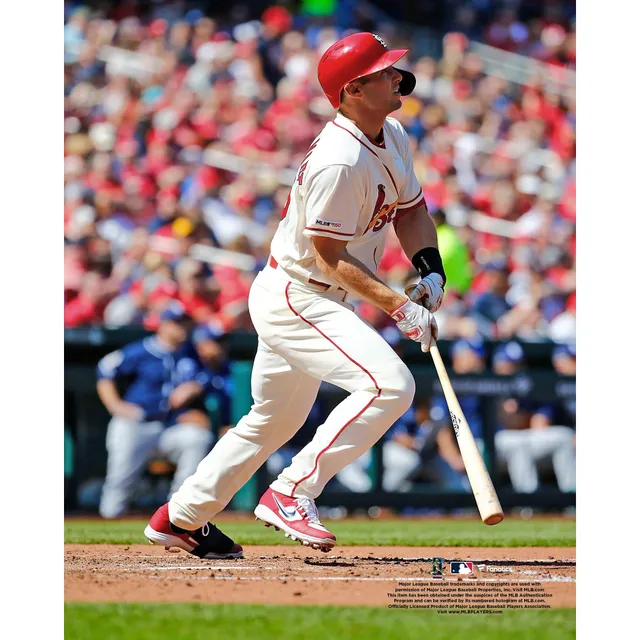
{"x":408,"y":82}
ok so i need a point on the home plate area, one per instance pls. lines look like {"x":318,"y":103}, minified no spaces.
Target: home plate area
{"x":293,"y":575}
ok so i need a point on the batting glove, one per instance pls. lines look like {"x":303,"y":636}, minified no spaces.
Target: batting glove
{"x":417,"y":323}
{"x":428,"y":292}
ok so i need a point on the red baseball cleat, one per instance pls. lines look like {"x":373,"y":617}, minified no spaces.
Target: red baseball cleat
{"x":207,"y":542}
{"x":298,"y":517}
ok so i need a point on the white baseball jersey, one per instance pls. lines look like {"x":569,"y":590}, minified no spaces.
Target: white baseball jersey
{"x":350,"y":189}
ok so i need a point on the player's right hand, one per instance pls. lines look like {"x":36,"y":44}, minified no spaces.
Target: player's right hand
{"x":417,"y":323}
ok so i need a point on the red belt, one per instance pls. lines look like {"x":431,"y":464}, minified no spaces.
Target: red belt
{"x":273,"y":263}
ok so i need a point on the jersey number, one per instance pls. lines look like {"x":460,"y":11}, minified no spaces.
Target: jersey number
{"x":285,"y":209}
{"x":303,"y":166}
{"x":305,"y":162}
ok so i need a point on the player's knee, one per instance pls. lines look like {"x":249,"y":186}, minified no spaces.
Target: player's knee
{"x":195,"y":436}
{"x":399,"y":387}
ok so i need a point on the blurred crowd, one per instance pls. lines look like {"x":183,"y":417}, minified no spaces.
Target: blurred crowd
{"x":181,"y":131}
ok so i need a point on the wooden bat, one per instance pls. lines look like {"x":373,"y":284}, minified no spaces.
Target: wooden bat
{"x":483,"y":490}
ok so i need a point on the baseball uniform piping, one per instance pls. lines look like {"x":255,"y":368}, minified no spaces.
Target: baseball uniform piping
{"x":358,"y":139}
{"x":337,"y":233}
{"x":372,"y":151}
{"x":315,"y":466}
{"x":412,"y":199}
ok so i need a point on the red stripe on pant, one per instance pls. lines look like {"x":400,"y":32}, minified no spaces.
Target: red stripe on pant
{"x":315,"y":466}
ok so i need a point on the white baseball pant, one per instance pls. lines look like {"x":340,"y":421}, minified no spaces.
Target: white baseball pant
{"x":522,"y":450}
{"x":305,"y":336}
{"x":131,"y":444}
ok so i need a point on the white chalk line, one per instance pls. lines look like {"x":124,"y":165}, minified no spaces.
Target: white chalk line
{"x":211,"y":567}
{"x":359,"y":579}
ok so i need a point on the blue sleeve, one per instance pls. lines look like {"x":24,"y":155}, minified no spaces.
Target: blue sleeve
{"x":190,"y":370}
{"x":123,"y":362}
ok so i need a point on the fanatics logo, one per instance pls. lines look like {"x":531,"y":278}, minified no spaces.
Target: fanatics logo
{"x":333,"y":224}
{"x":461,"y":568}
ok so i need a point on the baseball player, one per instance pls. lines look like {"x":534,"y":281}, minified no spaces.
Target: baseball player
{"x":356,"y":180}
{"x":153,"y":416}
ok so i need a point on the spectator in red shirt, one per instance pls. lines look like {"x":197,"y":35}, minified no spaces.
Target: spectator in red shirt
{"x":197,"y":290}
{"x":88,"y":306}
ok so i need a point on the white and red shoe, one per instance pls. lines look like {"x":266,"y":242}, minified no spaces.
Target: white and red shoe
{"x":206,"y":542}
{"x":297,"y":517}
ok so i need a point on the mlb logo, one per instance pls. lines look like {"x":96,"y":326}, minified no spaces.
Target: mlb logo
{"x":462,"y":568}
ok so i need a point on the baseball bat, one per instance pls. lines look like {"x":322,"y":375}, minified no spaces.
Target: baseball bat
{"x":483,"y":490}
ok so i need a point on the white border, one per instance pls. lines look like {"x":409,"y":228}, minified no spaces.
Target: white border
{"x":608,"y":354}
{"x":31,"y":49}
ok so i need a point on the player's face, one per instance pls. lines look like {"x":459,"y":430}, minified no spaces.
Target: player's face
{"x":381,"y":90}
{"x":176,"y":332}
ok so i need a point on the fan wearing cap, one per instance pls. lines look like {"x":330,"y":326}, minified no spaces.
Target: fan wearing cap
{"x":161,"y":376}
{"x":356,"y":180}
{"x":215,"y":402}
{"x":530,"y":434}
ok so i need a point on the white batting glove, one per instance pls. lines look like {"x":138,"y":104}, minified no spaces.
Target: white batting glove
{"x":417,"y":323}
{"x":428,"y":292}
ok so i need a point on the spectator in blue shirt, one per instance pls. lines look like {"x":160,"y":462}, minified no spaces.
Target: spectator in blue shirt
{"x":564,"y":362}
{"x":491,"y":305}
{"x":163,"y":377}
{"x":218,"y":383}
{"x":531,"y":433}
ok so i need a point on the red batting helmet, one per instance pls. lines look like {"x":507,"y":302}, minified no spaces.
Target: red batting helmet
{"x":355,"y":56}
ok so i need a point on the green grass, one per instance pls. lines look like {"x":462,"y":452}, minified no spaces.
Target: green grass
{"x":537,"y":532}
{"x":107,"y":621}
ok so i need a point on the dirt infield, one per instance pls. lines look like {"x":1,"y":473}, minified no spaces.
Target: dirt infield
{"x":294,"y":575}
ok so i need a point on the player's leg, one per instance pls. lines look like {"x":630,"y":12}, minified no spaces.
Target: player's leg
{"x":129,"y":445}
{"x":334,"y":344}
{"x":557,"y":442}
{"x":513,"y":446}
{"x":400,"y":463}
{"x":283,"y":396}
{"x":185,"y":445}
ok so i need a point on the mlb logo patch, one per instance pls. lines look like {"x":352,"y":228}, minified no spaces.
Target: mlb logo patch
{"x":462,"y":568}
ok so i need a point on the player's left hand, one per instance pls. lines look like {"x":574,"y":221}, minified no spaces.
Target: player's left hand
{"x":428,"y":292}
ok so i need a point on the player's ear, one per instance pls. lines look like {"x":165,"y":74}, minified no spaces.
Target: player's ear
{"x":352,"y":89}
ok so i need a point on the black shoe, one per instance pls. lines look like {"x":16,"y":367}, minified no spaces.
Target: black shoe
{"x":208,"y":542}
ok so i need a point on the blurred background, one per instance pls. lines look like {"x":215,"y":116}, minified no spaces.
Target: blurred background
{"x":185,"y":122}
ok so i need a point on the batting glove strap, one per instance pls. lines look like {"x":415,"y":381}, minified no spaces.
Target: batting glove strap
{"x":428,"y":261}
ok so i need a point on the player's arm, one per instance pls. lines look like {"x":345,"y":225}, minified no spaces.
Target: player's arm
{"x":415,"y":230}
{"x":448,"y":449}
{"x":185,"y":393}
{"x":417,"y":235}
{"x":192,"y":382}
{"x":339,"y":265}
{"x":119,"y":362}
{"x":414,"y":320}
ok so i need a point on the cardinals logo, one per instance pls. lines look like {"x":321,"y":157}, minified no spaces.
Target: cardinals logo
{"x":382,"y":213}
